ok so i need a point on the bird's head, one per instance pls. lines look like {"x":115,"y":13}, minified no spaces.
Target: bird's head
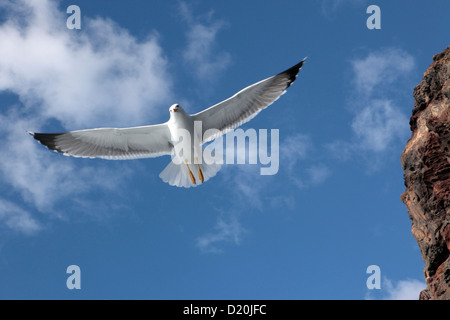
{"x":176,"y":112}
{"x":175,"y":108}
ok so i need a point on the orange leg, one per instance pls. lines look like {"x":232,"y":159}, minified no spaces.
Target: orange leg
{"x":190,"y":173}
{"x":200,"y":173}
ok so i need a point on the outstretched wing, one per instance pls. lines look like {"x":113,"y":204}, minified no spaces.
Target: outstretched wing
{"x":245,"y":104}
{"x":110,"y":143}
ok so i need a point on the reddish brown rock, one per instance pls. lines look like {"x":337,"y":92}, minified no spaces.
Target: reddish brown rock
{"x":426,"y":166}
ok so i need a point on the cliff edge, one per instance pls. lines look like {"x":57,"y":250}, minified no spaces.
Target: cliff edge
{"x":426,"y":165}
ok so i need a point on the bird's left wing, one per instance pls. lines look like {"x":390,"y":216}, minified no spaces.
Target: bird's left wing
{"x":110,"y":143}
{"x":245,"y":104}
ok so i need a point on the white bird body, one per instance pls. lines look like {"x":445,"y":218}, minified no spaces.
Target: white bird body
{"x":181,"y":126}
{"x":187,"y":151}
{"x":178,"y":136}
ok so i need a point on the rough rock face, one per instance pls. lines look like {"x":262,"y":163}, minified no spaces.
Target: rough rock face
{"x":426,"y":166}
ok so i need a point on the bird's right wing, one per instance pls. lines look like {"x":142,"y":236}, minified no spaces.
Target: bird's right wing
{"x":110,"y":143}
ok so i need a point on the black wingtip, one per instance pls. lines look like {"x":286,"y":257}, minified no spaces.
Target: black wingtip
{"x":46,"y":139}
{"x":292,"y":72}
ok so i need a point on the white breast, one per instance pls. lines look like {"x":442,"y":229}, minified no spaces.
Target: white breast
{"x":187,"y":148}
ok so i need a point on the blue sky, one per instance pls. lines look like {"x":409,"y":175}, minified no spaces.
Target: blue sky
{"x":308,"y":232}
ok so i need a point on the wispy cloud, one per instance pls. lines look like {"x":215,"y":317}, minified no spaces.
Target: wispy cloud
{"x":296,"y":151}
{"x":331,"y":7}
{"x":295,"y":154}
{"x":251,"y":191}
{"x":294,"y":148}
{"x":202,"y":53}
{"x":226,"y":230}
{"x":17,"y":218}
{"x":317,"y":174}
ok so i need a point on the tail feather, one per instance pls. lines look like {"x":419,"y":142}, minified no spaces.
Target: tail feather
{"x":178,"y":174}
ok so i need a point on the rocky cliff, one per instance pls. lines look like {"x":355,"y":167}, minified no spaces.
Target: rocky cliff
{"x":426,"y":166}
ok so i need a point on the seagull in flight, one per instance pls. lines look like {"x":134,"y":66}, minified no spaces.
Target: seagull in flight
{"x":187,"y":169}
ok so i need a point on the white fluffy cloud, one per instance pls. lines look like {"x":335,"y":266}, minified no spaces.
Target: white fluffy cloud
{"x":403,"y":289}
{"x":379,"y":70}
{"x":93,"y":76}
{"x":378,"y":122}
{"x":397,"y":290}
{"x":97,"y":76}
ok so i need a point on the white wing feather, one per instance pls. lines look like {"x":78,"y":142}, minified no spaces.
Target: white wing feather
{"x":245,"y":105}
{"x":111,"y":143}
